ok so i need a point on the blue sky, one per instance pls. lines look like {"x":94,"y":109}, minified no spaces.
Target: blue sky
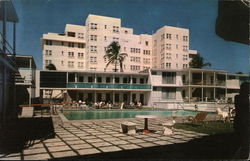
{"x":144,"y":16}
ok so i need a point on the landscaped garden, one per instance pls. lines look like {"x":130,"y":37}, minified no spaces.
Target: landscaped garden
{"x":211,"y":127}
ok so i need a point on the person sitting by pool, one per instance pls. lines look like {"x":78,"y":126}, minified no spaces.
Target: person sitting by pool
{"x":131,"y":104}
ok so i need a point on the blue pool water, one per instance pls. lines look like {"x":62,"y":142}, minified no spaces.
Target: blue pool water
{"x":115,"y":114}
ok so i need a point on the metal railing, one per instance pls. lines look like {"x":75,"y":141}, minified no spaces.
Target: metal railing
{"x":109,"y":86}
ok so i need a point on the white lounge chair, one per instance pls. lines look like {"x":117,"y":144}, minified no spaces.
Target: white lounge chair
{"x":222,"y":113}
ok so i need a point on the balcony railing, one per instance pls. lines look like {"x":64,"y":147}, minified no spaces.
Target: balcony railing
{"x":108,"y":86}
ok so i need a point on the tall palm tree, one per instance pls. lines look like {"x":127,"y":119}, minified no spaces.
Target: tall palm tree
{"x":198,"y":62}
{"x":114,"y":56}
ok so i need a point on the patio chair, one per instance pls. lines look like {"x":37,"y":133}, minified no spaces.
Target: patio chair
{"x":222,"y":113}
{"x":200,"y":117}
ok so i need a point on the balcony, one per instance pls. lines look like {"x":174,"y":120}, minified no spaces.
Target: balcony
{"x":108,"y":86}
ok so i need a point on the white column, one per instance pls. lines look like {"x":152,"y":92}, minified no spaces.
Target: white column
{"x":75,"y":77}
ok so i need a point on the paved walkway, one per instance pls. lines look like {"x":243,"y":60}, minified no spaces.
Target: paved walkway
{"x":80,"y":138}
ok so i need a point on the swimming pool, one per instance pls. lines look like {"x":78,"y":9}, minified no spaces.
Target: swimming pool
{"x":115,"y":114}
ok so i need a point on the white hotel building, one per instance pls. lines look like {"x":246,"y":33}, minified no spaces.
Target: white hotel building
{"x":156,"y":71}
{"x":83,"y":47}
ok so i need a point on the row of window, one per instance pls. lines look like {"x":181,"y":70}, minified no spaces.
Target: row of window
{"x":168,"y":65}
{"x":70,"y":44}
{"x":169,"y":36}
{"x":73,"y":34}
{"x":91,"y":79}
{"x":169,"y":47}
{"x":135,"y":50}
{"x":135,"y":59}
{"x":70,"y":63}
{"x":146,"y":52}
{"x":169,"y":56}
{"x":134,"y":67}
{"x":93,"y":26}
{"x":146,"y":60}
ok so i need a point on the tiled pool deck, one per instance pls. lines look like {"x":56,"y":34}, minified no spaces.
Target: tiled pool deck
{"x":79,"y":138}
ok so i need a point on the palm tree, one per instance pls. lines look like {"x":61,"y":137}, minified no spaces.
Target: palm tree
{"x":198,"y":62}
{"x":114,"y":56}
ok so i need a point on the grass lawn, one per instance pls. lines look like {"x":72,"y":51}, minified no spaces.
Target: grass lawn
{"x":212,"y":127}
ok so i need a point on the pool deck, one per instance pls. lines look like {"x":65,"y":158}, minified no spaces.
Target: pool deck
{"x":93,"y":140}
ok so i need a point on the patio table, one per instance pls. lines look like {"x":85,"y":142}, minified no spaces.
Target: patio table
{"x":146,"y":117}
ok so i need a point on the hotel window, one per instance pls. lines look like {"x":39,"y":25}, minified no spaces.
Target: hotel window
{"x":185,"y":38}
{"x":93,"y":59}
{"x":146,"y":52}
{"x":117,"y":80}
{"x":71,"y":54}
{"x":93,"y":49}
{"x":99,"y":79}
{"x":70,"y":44}
{"x":62,"y":63}
{"x":80,"y":35}
{"x":185,"y":65}
{"x":168,"y":93}
{"x":177,"y":37}
{"x":105,"y":38}
{"x":47,"y":62}
{"x":93,"y":37}
{"x":48,"y":42}
{"x":48,"y":52}
{"x":162,"y":47}
{"x":108,"y":79}
{"x":71,"y":34}
{"x":90,"y":78}
{"x":62,"y":43}
{"x":134,"y":80}
{"x":141,"y":80}
{"x":62,"y":53}
{"x":93,"y":26}
{"x":125,"y":80}
{"x":168,"y":46}
{"x":176,"y":56}
{"x":105,"y":26}
{"x":115,"y":39}
{"x":168,"y":77}
{"x":81,"y":45}
{"x":115,"y":29}
{"x":168,"y":65}
{"x":168,"y":55}
{"x":177,"y":46}
{"x":80,"y":55}
{"x":185,"y":57}
{"x":71,"y":64}
{"x":80,"y":64}
{"x":81,"y":79}
{"x":93,"y":68}
{"x":146,"y":60}
{"x":162,"y":36}
{"x":146,"y":43}
{"x":185,"y":48}
{"x":168,"y":36}
{"x":126,"y":31}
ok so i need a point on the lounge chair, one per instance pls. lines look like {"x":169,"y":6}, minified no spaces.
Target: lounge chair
{"x":199,"y":117}
{"x":222,"y":113}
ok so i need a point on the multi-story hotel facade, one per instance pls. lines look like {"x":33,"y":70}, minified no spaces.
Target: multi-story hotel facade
{"x":83,"y":47}
{"x":156,"y":70}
